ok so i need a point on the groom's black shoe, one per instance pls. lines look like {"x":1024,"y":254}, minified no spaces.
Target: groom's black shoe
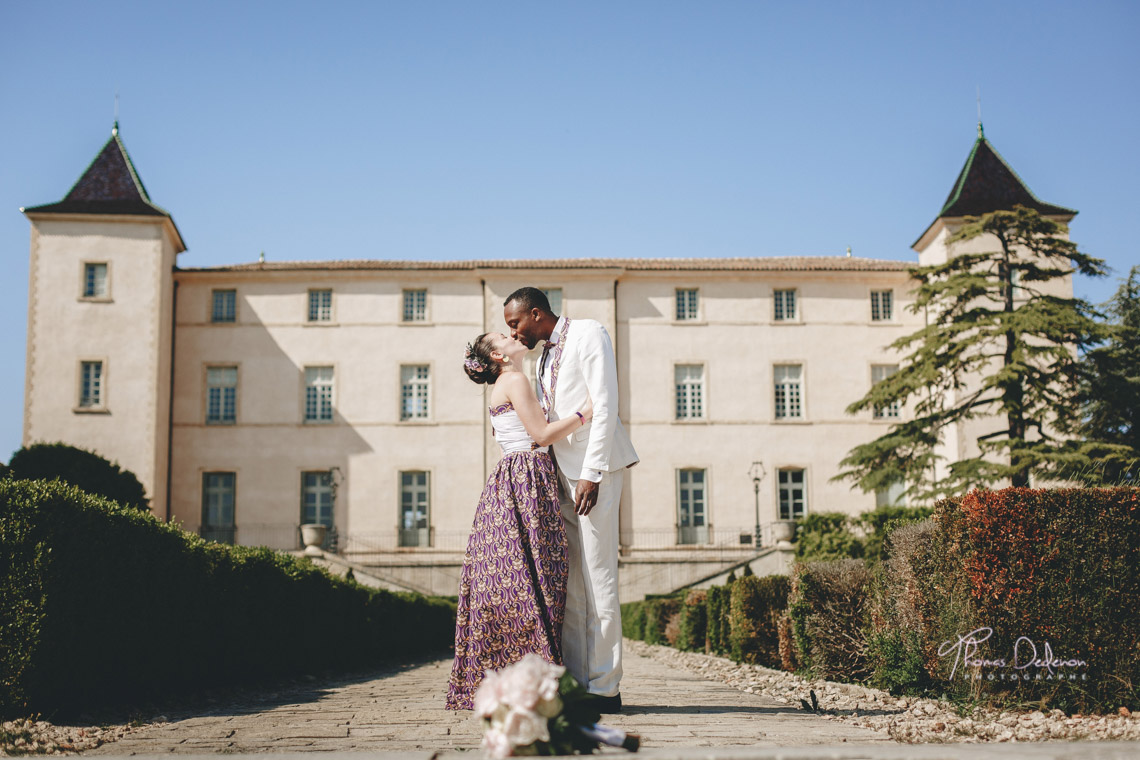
{"x":606,"y":705}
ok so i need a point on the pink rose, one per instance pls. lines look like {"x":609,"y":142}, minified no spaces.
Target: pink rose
{"x":496,"y":744}
{"x":488,"y":695}
{"x":524,"y":727}
{"x":519,"y":685}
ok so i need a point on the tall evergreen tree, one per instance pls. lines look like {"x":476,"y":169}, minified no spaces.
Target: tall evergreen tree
{"x":998,"y":345}
{"x":1110,"y":397}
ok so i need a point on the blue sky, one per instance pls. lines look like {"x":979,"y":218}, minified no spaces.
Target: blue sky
{"x":457,"y":130}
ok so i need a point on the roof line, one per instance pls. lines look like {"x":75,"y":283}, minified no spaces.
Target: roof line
{"x":134,"y":173}
{"x":957,"y":191}
{"x":772,"y":264}
{"x":1016,"y":176}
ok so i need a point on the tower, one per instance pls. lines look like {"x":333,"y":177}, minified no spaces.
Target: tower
{"x":100,"y":319}
{"x":985,"y":184}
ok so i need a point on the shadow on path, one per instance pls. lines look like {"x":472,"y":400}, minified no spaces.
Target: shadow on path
{"x":253,"y":698}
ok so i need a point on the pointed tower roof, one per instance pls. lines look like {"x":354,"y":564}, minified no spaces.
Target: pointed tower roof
{"x":110,"y":185}
{"x":987,"y":183}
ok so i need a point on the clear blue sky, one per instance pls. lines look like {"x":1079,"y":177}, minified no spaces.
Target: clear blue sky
{"x":456,"y":130}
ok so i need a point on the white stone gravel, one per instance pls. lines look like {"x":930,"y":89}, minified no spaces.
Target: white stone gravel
{"x":39,"y":737}
{"x":906,"y":719}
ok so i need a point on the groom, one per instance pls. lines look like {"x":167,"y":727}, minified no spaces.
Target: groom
{"x":578,"y":363}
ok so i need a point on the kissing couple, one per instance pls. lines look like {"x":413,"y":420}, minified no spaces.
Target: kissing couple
{"x":540,"y":571}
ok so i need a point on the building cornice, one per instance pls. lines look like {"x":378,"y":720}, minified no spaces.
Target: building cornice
{"x":609,"y":266}
{"x":165,"y":221}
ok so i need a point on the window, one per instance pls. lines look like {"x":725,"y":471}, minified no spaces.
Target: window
{"x":686,"y":304}
{"x":90,"y":385}
{"x":691,"y":514}
{"x":225,"y":306}
{"x":690,"y":382}
{"x":880,"y":372}
{"x":793,"y":501}
{"x":881,"y":305}
{"x":415,"y":305}
{"x":784,"y":302}
{"x":318,"y":394}
{"x":218,"y":507}
{"x":316,"y":498}
{"x":414,"y":505}
{"x":789,"y":391}
{"x":94,"y":280}
{"x":554,"y":295}
{"x":891,"y":496}
{"x":414,"y":391}
{"x":320,"y":305}
{"x":221,"y":395}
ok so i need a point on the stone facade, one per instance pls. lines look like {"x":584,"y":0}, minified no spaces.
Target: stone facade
{"x":251,"y":398}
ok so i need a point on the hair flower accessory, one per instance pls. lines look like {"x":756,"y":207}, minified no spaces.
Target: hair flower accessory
{"x":470,"y":362}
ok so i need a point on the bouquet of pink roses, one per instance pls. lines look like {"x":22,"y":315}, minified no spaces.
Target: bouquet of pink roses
{"x":536,"y":708}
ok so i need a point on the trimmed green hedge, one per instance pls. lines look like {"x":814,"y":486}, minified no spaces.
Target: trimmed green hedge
{"x":104,"y":605}
{"x":830,"y":609}
{"x":754,"y":611}
{"x":658,"y":613}
{"x":81,"y":468}
{"x":1058,"y":567}
{"x":693,"y":624}
{"x":633,"y":620}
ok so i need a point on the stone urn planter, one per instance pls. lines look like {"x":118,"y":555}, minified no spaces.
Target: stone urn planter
{"x":313,"y":537}
{"x":783,"y":531}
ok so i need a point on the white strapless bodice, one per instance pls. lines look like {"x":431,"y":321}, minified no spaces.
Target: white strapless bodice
{"x":509,"y":430}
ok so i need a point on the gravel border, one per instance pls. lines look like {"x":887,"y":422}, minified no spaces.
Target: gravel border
{"x":39,"y":737}
{"x":905,"y":719}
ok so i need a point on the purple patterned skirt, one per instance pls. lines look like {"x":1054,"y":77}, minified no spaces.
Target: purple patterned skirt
{"x":512,"y":591}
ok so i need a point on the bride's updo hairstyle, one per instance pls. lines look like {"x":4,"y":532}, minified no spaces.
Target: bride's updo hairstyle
{"x":477,"y":361}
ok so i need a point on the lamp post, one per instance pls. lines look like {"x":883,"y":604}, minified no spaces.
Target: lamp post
{"x":756,"y":472}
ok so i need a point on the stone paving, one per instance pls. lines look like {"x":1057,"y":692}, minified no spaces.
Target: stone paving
{"x":401,"y":710}
{"x":680,"y":715}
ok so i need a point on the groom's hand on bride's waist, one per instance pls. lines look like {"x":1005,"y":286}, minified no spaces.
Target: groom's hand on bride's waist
{"x":585,"y":497}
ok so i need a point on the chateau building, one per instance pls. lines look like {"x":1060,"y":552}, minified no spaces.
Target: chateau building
{"x":252,"y":398}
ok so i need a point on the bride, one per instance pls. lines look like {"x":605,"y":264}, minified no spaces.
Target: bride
{"x":512,"y":590}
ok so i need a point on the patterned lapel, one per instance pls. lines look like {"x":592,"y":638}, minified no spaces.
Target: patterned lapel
{"x":556,"y":362}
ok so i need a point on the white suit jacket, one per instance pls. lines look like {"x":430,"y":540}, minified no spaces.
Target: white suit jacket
{"x":588,"y":368}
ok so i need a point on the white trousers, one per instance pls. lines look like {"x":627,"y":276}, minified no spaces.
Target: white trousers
{"x":591,"y":634}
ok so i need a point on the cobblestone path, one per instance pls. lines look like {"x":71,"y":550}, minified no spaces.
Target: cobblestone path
{"x":401,"y":709}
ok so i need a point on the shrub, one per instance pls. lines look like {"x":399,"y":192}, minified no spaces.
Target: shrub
{"x":881,"y":521}
{"x":898,"y":656}
{"x":717,"y":619}
{"x":897,"y":664}
{"x":693,"y":623}
{"x":755,"y":608}
{"x":673,"y":629}
{"x":633,"y":620}
{"x":788,"y":659}
{"x":829,"y":608}
{"x":658,"y":612}
{"x":105,"y":605}
{"x":83,"y":469}
{"x":1058,"y":567}
{"x":825,"y":536}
